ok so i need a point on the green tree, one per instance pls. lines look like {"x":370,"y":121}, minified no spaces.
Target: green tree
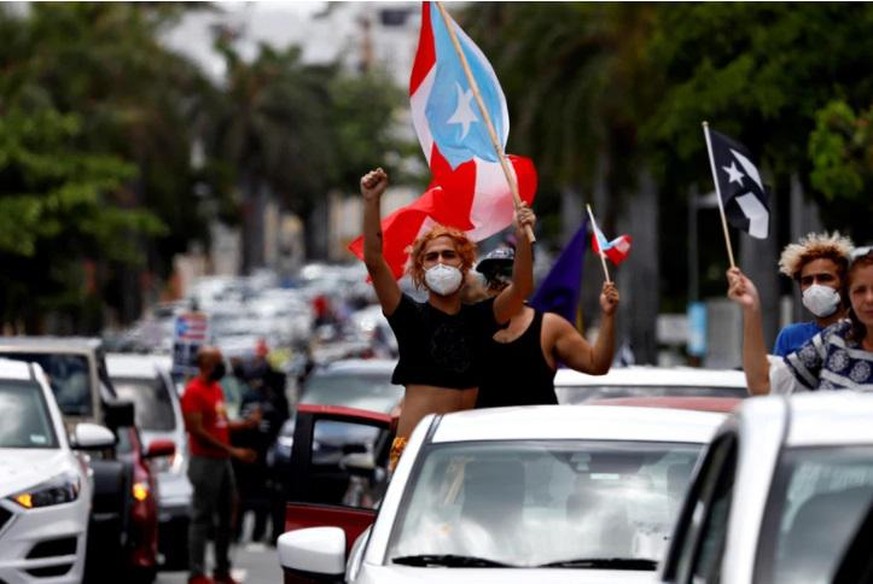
{"x":58,"y":208}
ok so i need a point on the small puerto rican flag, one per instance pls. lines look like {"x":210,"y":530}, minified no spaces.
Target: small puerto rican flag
{"x":616,"y":250}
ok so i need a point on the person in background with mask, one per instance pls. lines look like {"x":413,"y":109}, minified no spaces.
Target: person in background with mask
{"x":818,"y":263}
{"x":209,"y":467}
{"x":440,"y":341}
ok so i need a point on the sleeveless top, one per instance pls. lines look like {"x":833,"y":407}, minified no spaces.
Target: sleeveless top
{"x":517,"y":373}
{"x":440,"y":349}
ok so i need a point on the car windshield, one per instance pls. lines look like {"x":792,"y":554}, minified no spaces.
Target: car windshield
{"x":151,"y":399}
{"x":820,"y":497}
{"x":579,"y":394}
{"x":26,"y":419}
{"x":362,"y":390}
{"x":69,"y":377}
{"x":568,"y":503}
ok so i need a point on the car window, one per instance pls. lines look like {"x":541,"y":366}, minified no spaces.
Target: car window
{"x":153,"y":407}
{"x":26,"y":419}
{"x":536,"y":503}
{"x":703,"y":531}
{"x":580,"y":394}
{"x":69,"y":377}
{"x":361,"y":390}
{"x":819,"y":499}
{"x":348,"y":463}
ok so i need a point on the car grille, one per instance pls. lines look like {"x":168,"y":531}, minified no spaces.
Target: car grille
{"x":5,"y":515}
{"x":65,"y":546}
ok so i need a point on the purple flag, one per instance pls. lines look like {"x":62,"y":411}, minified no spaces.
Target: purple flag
{"x":559,"y":292}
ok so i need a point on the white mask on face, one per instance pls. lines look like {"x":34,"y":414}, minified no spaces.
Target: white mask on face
{"x":443,"y":279}
{"x":820,"y":300}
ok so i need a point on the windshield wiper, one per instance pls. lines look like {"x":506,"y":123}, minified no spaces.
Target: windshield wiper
{"x":606,"y":564}
{"x":449,"y":561}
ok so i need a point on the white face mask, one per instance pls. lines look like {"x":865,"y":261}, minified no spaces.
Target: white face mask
{"x":821,"y":300}
{"x":443,"y":280}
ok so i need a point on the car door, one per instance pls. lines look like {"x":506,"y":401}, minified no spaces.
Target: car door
{"x":338,"y":468}
{"x":696,"y":553}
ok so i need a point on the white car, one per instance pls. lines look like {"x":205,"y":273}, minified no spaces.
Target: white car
{"x":527,"y":494}
{"x":573,"y":387}
{"x":779,"y":495}
{"x":45,"y":485}
{"x":145,"y":380}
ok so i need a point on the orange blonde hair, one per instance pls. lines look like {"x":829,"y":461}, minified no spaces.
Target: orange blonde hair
{"x":466,"y":251}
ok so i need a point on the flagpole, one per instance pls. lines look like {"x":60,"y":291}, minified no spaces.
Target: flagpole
{"x":492,"y":133}
{"x":599,"y":246}
{"x":724,"y":226}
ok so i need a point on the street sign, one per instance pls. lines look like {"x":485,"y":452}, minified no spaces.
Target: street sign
{"x":190,"y":332}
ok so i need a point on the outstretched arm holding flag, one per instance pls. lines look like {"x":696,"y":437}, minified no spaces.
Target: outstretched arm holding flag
{"x":439,"y":340}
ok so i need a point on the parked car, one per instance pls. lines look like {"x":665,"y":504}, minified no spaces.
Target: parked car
{"x":543,"y":494}
{"x":573,"y":387}
{"x":45,"y":484}
{"x":143,"y":559}
{"x":76,"y":370}
{"x":145,"y":380}
{"x":782,"y":490}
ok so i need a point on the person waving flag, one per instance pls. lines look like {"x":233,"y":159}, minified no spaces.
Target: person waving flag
{"x":462,"y":121}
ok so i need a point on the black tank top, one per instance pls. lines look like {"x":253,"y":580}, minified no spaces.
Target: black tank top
{"x":516,"y":373}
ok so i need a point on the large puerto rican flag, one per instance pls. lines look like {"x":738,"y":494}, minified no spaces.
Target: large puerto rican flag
{"x":469,"y":189}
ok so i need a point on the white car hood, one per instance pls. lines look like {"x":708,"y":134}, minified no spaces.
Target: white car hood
{"x":371,"y":574}
{"x":22,"y":468}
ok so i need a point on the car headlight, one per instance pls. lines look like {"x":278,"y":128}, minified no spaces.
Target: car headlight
{"x":60,"y":489}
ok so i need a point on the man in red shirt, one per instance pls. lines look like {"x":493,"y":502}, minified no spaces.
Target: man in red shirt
{"x":209,"y":467}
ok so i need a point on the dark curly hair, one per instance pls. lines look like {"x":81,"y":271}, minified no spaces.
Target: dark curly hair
{"x":466,"y":251}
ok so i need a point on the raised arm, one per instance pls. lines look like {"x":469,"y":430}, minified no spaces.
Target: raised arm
{"x":574,"y":351}
{"x":755,"y":365}
{"x":511,"y":299}
{"x":373,"y":184}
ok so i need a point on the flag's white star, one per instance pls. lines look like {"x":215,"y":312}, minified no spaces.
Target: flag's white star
{"x":464,"y":113}
{"x":734,"y":174}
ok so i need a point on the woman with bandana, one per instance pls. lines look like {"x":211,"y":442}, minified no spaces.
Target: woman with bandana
{"x":439,"y":341}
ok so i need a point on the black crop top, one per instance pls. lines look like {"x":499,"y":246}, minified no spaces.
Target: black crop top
{"x":439,"y":349}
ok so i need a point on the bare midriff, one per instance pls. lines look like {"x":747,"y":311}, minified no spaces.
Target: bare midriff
{"x":421,"y":400}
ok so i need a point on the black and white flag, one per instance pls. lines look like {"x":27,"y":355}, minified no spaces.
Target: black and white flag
{"x":745,"y":200}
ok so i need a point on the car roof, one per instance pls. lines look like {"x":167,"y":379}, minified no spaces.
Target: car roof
{"x":821,"y":418}
{"x":351,"y":366}
{"x":642,"y":375}
{"x":40,"y":344}
{"x":17,"y":370}
{"x":585,"y":422}
{"x":699,"y":403}
{"x":132,"y":365}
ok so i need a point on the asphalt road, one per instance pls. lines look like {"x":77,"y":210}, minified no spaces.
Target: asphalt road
{"x":253,"y":563}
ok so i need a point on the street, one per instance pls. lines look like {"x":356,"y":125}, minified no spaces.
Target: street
{"x":254,"y":563}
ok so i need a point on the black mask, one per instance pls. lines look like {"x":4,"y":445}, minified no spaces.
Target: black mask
{"x":217,"y":372}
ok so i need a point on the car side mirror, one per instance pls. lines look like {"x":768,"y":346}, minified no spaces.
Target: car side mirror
{"x":317,"y":553}
{"x":119,"y":414}
{"x":88,"y":436}
{"x":160,"y":447}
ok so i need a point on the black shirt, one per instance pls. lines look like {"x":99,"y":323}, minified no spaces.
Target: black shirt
{"x":518,"y":373}
{"x":439,"y":349}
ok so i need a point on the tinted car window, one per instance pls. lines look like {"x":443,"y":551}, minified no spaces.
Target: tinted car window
{"x":152,"y":406}
{"x":532,"y":504}
{"x":69,"y":377}
{"x":820,"y":497}
{"x":26,"y":421}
